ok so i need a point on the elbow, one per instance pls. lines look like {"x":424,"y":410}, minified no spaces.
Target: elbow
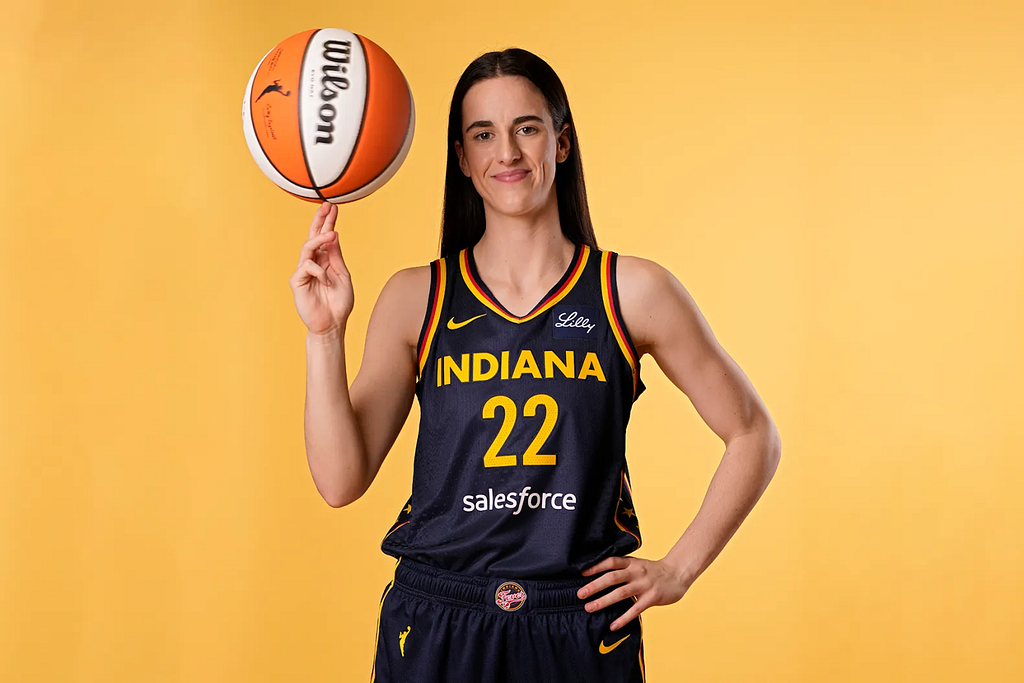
{"x":774,"y":448}
{"x":769,"y":444}
{"x":338,"y":483}
{"x":343,"y":496}
{"x":340,"y":501}
{"x":336,"y":501}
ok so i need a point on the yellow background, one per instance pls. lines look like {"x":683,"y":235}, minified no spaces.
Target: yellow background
{"x":838,"y":186}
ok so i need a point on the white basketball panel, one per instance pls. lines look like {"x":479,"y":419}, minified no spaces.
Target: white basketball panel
{"x":332,"y":101}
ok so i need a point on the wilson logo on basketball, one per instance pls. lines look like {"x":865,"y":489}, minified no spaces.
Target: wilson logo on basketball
{"x":337,"y":54}
{"x":510,"y":596}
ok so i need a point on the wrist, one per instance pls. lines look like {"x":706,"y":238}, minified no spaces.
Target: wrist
{"x":681,"y":568}
{"x":330,"y":337}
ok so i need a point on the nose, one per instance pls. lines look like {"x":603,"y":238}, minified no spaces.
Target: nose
{"x":509,"y":151}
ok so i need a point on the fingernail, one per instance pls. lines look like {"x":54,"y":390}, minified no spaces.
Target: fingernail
{"x":582,"y":593}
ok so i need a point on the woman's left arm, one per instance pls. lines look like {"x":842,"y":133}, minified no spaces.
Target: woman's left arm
{"x":663,"y":320}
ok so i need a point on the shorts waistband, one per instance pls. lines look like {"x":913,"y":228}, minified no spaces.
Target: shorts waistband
{"x":490,"y":593}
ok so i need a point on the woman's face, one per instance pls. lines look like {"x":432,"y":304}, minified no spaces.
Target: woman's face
{"x":507,"y":129}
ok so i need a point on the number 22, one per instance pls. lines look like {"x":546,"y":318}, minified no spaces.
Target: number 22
{"x":532,"y":456}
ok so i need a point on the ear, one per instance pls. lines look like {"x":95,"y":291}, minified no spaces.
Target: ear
{"x":462,"y":159}
{"x":563,"y":144}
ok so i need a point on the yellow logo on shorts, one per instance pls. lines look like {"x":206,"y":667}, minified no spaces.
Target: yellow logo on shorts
{"x":401,"y":639}
{"x":605,"y":649}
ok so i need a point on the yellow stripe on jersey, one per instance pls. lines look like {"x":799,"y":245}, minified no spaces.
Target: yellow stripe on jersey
{"x":613,"y":319}
{"x":629,"y":489}
{"x":640,"y":618}
{"x":437,"y":298}
{"x":467,"y":277}
{"x":373,"y":668}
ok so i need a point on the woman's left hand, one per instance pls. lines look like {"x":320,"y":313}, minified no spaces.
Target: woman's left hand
{"x":652,"y":582}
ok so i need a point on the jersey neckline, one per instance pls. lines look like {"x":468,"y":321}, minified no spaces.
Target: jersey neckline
{"x":471,"y":276}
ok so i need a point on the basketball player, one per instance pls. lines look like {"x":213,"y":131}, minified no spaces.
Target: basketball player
{"x":522,"y":344}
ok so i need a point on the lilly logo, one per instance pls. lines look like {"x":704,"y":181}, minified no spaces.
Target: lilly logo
{"x":574,"y":321}
{"x":510,"y":596}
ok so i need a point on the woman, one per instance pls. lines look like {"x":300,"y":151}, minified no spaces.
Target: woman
{"x":522,"y":344}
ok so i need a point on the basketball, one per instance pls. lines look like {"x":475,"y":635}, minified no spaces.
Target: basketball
{"x":328,"y":115}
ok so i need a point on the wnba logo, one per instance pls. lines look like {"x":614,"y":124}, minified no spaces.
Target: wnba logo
{"x":275,"y":87}
{"x":510,"y":596}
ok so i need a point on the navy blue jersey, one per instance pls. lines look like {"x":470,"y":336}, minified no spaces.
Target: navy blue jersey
{"x":520,"y":463}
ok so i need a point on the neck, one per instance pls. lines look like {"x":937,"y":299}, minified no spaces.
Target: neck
{"x":523,"y":254}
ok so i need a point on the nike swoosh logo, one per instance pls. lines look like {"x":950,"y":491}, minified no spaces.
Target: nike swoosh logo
{"x":605,"y":649}
{"x":452,"y":325}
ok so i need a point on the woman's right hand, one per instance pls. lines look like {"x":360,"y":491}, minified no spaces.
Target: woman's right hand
{"x":321,"y":283}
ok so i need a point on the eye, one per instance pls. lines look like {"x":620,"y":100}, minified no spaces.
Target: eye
{"x":477,"y":136}
{"x":530,"y":127}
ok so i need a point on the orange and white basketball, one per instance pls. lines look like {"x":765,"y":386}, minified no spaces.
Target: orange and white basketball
{"x":328,"y":115}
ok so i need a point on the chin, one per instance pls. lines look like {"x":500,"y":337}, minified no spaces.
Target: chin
{"x":515,"y":208}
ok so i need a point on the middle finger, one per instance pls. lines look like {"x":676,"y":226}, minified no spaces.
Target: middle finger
{"x":617,"y":595}
{"x":603,"y":581}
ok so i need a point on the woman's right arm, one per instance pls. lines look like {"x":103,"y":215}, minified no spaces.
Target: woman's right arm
{"x":349,"y":431}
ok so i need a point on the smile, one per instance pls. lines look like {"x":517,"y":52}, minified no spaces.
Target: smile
{"x":511,"y":176}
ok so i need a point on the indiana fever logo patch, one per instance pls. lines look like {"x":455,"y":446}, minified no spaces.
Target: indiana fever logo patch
{"x":510,"y":596}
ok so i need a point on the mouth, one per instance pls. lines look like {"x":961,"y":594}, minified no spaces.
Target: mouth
{"x":512,"y":176}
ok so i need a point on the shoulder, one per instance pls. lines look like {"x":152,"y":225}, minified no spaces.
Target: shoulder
{"x":409,"y":280}
{"x":652,"y":301}
{"x":641,"y":276}
{"x":404,"y":299}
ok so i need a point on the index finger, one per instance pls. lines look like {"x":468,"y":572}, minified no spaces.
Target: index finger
{"x":318,"y":218}
{"x":613,"y":562}
{"x":329,"y":220}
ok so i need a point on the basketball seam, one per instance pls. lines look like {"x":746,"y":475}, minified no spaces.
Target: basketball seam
{"x":362,"y":121}
{"x":302,"y":134}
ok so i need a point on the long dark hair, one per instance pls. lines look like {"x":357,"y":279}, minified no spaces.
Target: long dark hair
{"x":462,"y":222}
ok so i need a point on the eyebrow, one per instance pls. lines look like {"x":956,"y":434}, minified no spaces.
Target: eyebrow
{"x":515,"y":122}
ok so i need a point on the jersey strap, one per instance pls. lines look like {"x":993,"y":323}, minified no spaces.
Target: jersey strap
{"x":610,"y":296}
{"x":438,"y":273}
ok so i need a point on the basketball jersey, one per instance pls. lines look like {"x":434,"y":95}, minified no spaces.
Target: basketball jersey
{"x":520,"y":461}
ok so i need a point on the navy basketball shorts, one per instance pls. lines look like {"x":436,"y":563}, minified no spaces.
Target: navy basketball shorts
{"x":437,"y":626}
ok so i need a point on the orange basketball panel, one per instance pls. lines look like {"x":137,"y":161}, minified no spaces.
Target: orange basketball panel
{"x":274,"y":102}
{"x":385,"y":123}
